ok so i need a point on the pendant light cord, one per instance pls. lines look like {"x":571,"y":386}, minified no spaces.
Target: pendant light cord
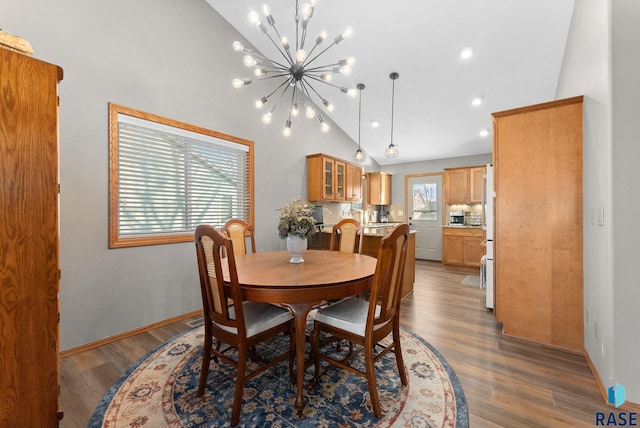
{"x":359,"y":113}
{"x":393,"y":97}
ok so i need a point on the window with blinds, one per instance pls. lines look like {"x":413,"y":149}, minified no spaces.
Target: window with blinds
{"x":168,"y":177}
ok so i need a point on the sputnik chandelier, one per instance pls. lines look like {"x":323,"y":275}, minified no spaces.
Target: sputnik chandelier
{"x":296,"y":70}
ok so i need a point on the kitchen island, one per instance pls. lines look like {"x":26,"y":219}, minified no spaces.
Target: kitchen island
{"x":373,"y":233}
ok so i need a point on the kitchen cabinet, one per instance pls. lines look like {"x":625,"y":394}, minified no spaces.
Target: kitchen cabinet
{"x":29,"y":261}
{"x":332,"y":179}
{"x":464,"y":185}
{"x":537,"y":158}
{"x":379,"y":188}
{"x":462,"y":247}
{"x":476,"y":184}
{"x":353,"y":191}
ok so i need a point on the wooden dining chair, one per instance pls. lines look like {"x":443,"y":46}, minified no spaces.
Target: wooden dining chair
{"x":365,"y":323}
{"x":239,"y":230}
{"x":238,"y":324}
{"x":346,"y":236}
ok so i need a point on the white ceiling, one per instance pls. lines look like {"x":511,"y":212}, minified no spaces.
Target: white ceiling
{"x":518,"y":48}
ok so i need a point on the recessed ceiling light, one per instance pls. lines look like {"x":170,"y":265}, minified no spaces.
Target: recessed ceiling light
{"x":466,"y":53}
{"x":476,"y":101}
{"x":375,"y":124}
{"x":484,"y":133}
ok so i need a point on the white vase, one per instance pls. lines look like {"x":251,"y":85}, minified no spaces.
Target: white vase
{"x":296,"y":246}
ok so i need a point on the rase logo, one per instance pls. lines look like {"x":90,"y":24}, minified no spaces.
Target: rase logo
{"x":615,"y":397}
{"x":612,"y":419}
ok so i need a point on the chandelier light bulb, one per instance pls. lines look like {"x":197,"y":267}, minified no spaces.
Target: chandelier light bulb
{"x":309,"y":112}
{"x":301,"y":55}
{"x":258,"y":72}
{"x":294,"y":109}
{"x":254,"y":18}
{"x":326,"y":77}
{"x":237,"y":83}
{"x":266,"y":118}
{"x":285,"y":43}
{"x":324,"y":126}
{"x":348,"y":32}
{"x":249,"y":61}
{"x":328,"y":105}
{"x":287,"y":129}
{"x":307,"y":11}
{"x":259,"y":103}
{"x":359,"y":156}
{"x":352,"y":93}
{"x":321,"y":37}
{"x":265,"y":10}
{"x":345,"y":70}
{"x":237,"y":46}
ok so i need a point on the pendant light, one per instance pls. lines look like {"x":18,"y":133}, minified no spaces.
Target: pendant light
{"x":359,"y":156}
{"x":392,"y":151}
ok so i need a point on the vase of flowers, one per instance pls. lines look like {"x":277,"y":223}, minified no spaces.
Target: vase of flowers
{"x":296,"y":225}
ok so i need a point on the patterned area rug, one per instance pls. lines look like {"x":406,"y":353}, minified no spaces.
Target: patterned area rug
{"x":160,"y":391}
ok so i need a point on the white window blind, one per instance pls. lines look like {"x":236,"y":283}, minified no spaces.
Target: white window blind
{"x":169,"y":180}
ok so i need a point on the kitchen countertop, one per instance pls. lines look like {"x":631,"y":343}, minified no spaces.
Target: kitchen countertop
{"x":372,"y":229}
{"x":465,"y":226}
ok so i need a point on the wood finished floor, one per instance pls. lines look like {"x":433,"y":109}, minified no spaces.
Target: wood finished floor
{"x":507,"y":382}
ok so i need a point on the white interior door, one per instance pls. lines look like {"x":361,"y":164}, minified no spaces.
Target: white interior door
{"x":424,"y":200}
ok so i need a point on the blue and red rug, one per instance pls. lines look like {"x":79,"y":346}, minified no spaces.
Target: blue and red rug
{"x":160,"y":391}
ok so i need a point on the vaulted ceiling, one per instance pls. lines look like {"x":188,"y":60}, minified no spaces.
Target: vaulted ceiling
{"x":518,"y":47}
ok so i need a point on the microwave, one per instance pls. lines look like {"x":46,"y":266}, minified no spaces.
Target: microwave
{"x":456,"y":218}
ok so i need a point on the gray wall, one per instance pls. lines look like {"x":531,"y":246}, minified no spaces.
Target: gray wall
{"x":168,"y":57}
{"x":601,"y":61}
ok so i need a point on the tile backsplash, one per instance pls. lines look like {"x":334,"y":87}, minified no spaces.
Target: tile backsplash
{"x":333,"y":212}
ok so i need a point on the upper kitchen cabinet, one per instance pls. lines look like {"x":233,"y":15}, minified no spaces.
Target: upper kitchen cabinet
{"x":476,"y":184}
{"x":353,"y":192}
{"x":379,"y":188}
{"x":464,"y":185}
{"x":332,"y":179}
{"x":537,"y":158}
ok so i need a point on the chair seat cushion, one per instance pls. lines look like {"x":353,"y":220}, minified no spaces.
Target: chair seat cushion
{"x":259,"y":317}
{"x":348,"y":314}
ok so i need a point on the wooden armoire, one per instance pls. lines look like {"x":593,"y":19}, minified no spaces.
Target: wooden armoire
{"x":29,"y":241}
{"x":537,"y":158}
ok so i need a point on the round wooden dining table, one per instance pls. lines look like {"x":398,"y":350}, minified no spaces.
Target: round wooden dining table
{"x":324,"y":275}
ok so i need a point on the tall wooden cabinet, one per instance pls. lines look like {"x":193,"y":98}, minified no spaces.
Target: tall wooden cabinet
{"x":537,"y":158}
{"x":29,"y":267}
